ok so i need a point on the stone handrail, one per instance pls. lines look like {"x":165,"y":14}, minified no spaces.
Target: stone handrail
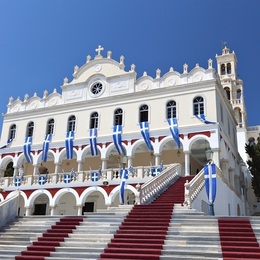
{"x":8,"y":209}
{"x":193,"y":188}
{"x":150,"y":190}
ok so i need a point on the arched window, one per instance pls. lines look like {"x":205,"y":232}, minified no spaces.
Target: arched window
{"x":143,"y":113}
{"x":223,"y":69}
{"x":94,"y":120}
{"x":71,"y":123}
{"x":198,"y":106}
{"x":229,"y":68}
{"x":239,"y":94}
{"x":9,"y":171}
{"x":30,"y":128}
{"x":50,"y":126}
{"x":12,"y":132}
{"x":171,"y":109}
{"x":227,"y":92}
{"x":118,"y":117}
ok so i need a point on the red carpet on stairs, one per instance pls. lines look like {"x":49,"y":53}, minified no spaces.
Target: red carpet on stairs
{"x":141,"y":235}
{"x":237,"y":239}
{"x":50,"y":239}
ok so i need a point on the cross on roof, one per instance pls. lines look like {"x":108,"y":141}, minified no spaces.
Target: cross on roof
{"x":99,"y":49}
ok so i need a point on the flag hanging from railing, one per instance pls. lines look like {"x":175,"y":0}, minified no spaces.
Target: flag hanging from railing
{"x":203,"y":119}
{"x":146,"y":135}
{"x":45,"y":147}
{"x":18,"y":180}
{"x":95,"y":176}
{"x":9,"y":141}
{"x":93,"y":141}
{"x":66,"y":178}
{"x":117,"y":137}
{"x":131,"y":169}
{"x":174,"y":130}
{"x":42,"y":179}
{"x":69,"y":144}
{"x":124,"y":177}
{"x":27,"y":149}
{"x":210,"y":181}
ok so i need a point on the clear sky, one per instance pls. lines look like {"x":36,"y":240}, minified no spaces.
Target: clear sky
{"x":41,"y":41}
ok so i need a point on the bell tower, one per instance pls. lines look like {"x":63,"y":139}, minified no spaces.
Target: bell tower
{"x":233,"y":86}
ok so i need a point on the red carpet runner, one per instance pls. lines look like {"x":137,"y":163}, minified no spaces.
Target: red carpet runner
{"x":50,"y":239}
{"x":238,"y":240}
{"x":141,"y":235}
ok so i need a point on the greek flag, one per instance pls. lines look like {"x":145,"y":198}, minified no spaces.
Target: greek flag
{"x":66,"y":178}
{"x":156,"y":171}
{"x":69,"y":144}
{"x":174,"y":130}
{"x":18,"y":181}
{"x":73,"y":174}
{"x":95,"y":175}
{"x":131,"y":169}
{"x":210,"y":181}
{"x":42,"y":179}
{"x":202,"y":118}
{"x":45,"y":147}
{"x":145,"y":133}
{"x":27,"y":149}
{"x":7,"y":144}
{"x":117,"y":137}
{"x":93,"y":141}
{"x":124,"y":177}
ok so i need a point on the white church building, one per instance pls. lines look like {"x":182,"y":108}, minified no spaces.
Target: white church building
{"x":63,"y":151}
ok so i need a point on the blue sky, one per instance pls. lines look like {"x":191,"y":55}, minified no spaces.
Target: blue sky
{"x":42,"y":41}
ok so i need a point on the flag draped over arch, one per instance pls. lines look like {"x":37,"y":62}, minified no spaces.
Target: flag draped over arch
{"x":144,"y":126}
{"x":117,"y":138}
{"x":27,"y":149}
{"x":69,"y":144}
{"x":93,"y":141}
{"x":174,"y":130}
{"x":45,"y":147}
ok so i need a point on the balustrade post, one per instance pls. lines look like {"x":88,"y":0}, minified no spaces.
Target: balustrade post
{"x":187,"y":201}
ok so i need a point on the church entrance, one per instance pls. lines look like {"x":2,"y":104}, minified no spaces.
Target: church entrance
{"x":39,"y":209}
{"x":88,"y":207}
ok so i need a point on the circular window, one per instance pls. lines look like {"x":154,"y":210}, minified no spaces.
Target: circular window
{"x":96,"y":88}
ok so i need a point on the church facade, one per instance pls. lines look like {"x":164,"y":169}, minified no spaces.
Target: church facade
{"x":64,"y":151}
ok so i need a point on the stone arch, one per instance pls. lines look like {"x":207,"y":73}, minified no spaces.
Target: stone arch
{"x":60,"y":193}
{"x":6,"y":160}
{"x":35,"y":194}
{"x":90,"y":190}
{"x":115,"y":191}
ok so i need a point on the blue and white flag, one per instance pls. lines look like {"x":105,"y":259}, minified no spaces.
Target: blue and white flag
{"x":66,"y":178}
{"x":117,"y":137}
{"x":146,"y":135}
{"x":124,"y":177}
{"x":210,"y":181}
{"x":94,"y":176}
{"x":131,"y":169}
{"x":42,"y":179}
{"x":27,"y":149}
{"x":156,"y":171}
{"x":45,"y":147}
{"x":202,"y":118}
{"x":69,"y":144}
{"x":17,"y":181}
{"x":93,"y":141}
{"x":7,"y":144}
{"x":174,"y":130}
{"x":73,"y":174}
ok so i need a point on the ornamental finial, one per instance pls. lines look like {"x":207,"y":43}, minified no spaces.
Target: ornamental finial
{"x":99,"y":49}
